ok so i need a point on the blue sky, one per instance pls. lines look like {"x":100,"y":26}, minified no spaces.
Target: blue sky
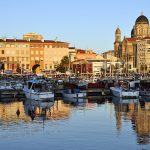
{"x":86,"y":24}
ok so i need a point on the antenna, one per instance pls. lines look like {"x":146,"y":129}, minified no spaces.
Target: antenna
{"x":56,"y":39}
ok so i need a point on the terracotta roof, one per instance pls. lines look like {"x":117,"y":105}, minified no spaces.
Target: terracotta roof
{"x":12,"y":40}
{"x":131,"y":39}
{"x":32,"y":41}
{"x":71,"y":47}
{"x":146,"y":38}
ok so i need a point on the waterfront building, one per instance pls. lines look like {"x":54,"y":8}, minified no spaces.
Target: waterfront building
{"x":127,"y":49}
{"x":82,"y":67}
{"x":99,"y":66}
{"x":32,"y":36}
{"x":109,"y":52}
{"x":88,"y":66}
{"x":54,"y":51}
{"x":72,"y":53}
{"x":143,"y":55}
{"x":15,"y":53}
{"x":85,"y":54}
{"x":28,"y":53}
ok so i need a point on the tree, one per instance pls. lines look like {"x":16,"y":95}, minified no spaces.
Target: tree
{"x":2,"y":67}
{"x":64,"y":65}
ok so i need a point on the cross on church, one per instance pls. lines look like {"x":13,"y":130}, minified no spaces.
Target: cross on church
{"x":142,"y":13}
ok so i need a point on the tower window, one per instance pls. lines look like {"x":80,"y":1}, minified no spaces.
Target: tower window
{"x":2,"y":51}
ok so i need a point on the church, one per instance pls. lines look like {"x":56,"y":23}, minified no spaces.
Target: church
{"x":134,"y":51}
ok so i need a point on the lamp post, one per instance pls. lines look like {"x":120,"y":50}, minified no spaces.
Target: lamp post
{"x":21,"y":67}
{"x":41,"y":65}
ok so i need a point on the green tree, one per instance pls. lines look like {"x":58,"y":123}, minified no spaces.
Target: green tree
{"x":64,"y":65}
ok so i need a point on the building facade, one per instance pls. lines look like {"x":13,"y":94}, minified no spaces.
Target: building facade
{"x":28,"y":53}
{"x":143,"y":55}
{"x":14,"y":53}
{"x":128,"y":49}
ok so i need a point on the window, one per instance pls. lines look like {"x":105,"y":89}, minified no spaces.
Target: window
{"x":7,"y":45}
{"x":50,"y":66}
{"x":45,"y":66}
{"x":17,"y":51}
{"x":12,"y":45}
{"x":22,"y":52}
{"x":32,"y":58}
{"x":27,"y":66}
{"x":32,"y":52}
{"x":2,"y":51}
{"x":36,"y":58}
{"x":37,"y":52}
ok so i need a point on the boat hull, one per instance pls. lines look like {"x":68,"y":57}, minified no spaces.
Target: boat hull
{"x":74,"y":95}
{"x":118,"y":92}
{"x":39,"y":96}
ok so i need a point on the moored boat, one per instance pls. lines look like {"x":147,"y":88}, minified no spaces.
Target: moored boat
{"x":38,"y":89}
{"x":120,"y":92}
{"x":123,"y":89}
{"x":73,"y":93}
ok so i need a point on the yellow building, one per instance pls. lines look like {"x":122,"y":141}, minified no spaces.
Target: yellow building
{"x":143,"y":55}
{"x":14,"y":52}
{"x":26,"y":53}
{"x":32,"y":36}
{"x":54,"y":51}
{"x":128,"y":48}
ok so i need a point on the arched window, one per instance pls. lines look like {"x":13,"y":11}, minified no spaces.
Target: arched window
{"x":139,"y":31}
{"x":2,"y":51}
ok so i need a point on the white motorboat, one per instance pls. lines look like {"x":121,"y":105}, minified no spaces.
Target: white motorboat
{"x":73,"y":94}
{"x":120,"y":92}
{"x":38,"y":89}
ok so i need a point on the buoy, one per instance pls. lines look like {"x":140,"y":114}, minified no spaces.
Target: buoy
{"x":18,"y":112}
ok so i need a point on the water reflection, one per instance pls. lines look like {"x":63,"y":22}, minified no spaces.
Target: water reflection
{"x":12,"y":112}
{"x":133,"y":112}
{"x":47,"y":110}
{"x":138,"y":112}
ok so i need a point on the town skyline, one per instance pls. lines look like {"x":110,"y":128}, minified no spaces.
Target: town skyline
{"x":85,"y":25}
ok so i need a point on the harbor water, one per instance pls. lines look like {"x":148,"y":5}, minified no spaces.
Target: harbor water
{"x":107,"y":124}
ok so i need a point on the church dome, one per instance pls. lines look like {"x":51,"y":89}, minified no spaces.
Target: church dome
{"x":132,"y":33}
{"x":118,"y":31}
{"x":142,"y":20}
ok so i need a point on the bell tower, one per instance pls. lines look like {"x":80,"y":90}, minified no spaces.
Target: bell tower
{"x":117,"y":42}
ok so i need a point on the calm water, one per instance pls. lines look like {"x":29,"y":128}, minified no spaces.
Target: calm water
{"x":94,"y":125}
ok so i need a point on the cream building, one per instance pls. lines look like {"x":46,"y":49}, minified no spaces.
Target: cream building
{"x":32,"y":36}
{"x":54,"y":51}
{"x":132,"y":50}
{"x":28,"y":53}
{"x":143,"y":55}
{"x":14,"y":52}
